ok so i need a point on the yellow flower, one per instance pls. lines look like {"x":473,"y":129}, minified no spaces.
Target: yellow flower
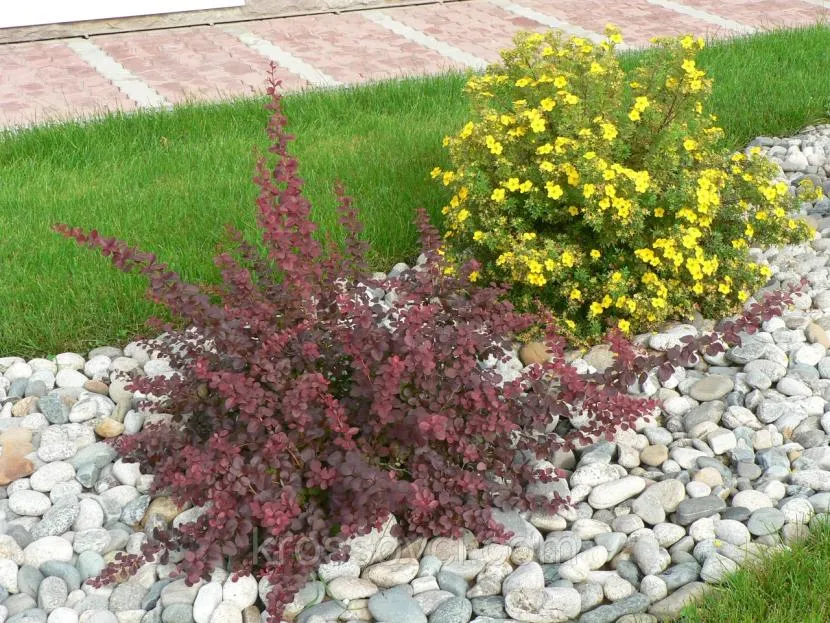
{"x":536,"y":279}
{"x":467,"y":130}
{"x":474,"y":276}
{"x":544,"y":149}
{"x":547,"y":104}
{"x":571,"y":99}
{"x":463,"y":215}
{"x":538,"y":125}
{"x":435,"y":172}
{"x":547,"y":166}
{"x":523,"y":82}
{"x":624,"y":326}
{"x":512,"y":184}
{"x":689,"y":144}
{"x":550,"y":264}
{"x":641,"y":103}
{"x":560,"y":82}
{"x":529,"y":235}
{"x":449,"y":176}
{"x":588,"y":190}
{"x":687,"y":42}
{"x":723,"y":288}
{"x":573,"y":210}
{"x":596,"y":308}
{"x":595,"y":254}
{"x":498,"y":195}
{"x":554,"y":190}
{"x":609,"y":132}
{"x":698,"y":108}
{"x":596,"y":68}
{"x":634,"y":115}
{"x":526,"y":186}
{"x":671,"y":82}
{"x":659,"y":212}
{"x":697,"y":288}
{"x":616,"y":38}
{"x":575,"y":294}
{"x":607,"y":301}
{"x":742,"y":295}
{"x":493,"y":145}
{"x":567,"y":259}
{"x":478,"y":235}
{"x":590,"y":155}
{"x":571,"y":324}
{"x":507,"y":119}
{"x":688,"y":66}
{"x":616,"y":276}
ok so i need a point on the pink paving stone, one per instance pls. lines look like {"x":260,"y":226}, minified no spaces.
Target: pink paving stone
{"x":477,"y":27}
{"x":46,"y":81}
{"x":638,"y":20}
{"x":763,"y":14}
{"x":350,"y":48}
{"x":186,"y":64}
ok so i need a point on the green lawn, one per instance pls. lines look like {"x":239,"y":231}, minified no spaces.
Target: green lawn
{"x":791,"y":586}
{"x":167,"y":182}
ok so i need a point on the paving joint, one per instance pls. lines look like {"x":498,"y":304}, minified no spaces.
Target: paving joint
{"x":127,"y":82}
{"x":281,"y":57}
{"x":704,"y":16}
{"x":413,"y":34}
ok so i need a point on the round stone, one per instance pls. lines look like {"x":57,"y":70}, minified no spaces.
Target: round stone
{"x":51,"y":594}
{"x":713,"y":387}
{"x":45,"y":549}
{"x":751,"y":500}
{"x":552,"y":605}
{"x":29,"y":503}
{"x":243,"y":592}
{"x":392,"y":572}
{"x":654,"y":455}
{"x":226,"y":613}
{"x":453,"y":610}
{"x":765,"y":521}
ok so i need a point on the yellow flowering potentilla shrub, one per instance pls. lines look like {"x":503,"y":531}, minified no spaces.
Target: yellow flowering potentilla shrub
{"x":603,"y":195}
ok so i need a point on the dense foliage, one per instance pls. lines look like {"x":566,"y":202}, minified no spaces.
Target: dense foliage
{"x":305,"y":407}
{"x":606,"y":196}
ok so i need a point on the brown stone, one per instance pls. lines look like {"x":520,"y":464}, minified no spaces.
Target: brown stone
{"x":97,"y":387}
{"x":709,"y":476}
{"x":108,"y":428}
{"x":250,"y":615}
{"x":533,"y":352}
{"x":414,"y":549}
{"x":817,"y":335}
{"x":24,"y":406}
{"x":600,"y":357}
{"x":16,"y":441}
{"x":446,"y":549}
{"x":13,"y":467}
{"x":164,"y":508}
{"x":654,"y":455}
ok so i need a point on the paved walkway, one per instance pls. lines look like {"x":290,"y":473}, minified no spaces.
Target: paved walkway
{"x":61,"y":79}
